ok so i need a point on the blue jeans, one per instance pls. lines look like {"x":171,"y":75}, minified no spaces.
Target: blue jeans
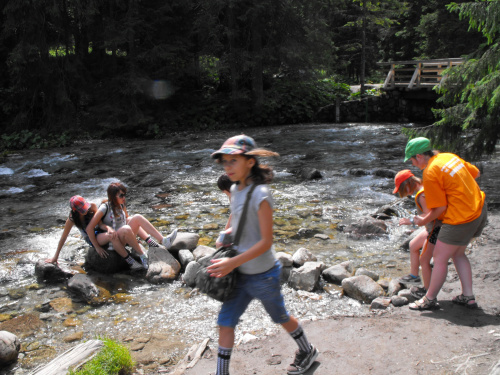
{"x":264,"y":286}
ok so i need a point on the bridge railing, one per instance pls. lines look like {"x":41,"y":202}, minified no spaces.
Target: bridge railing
{"x":417,"y":74}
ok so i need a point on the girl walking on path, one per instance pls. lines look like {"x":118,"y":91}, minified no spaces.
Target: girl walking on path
{"x":258,"y":269}
{"x":452,"y":192}
{"x":406,"y":185}
{"x":122,"y":229}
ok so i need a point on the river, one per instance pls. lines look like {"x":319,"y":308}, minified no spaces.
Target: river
{"x":172,"y":182}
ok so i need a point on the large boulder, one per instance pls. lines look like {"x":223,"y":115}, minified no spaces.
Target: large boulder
{"x":306,"y":277}
{"x":185,"y":240}
{"x":202,"y":251}
{"x":362,"y":288}
{"x":83,"y":287}
{"x":336,"y":273}
{"x":185,"y":256}
{"x":162,"y":266}
{"x":113,"y":263}
{"x":50,"y":273}
{"x":9,"y":348}
{"x":301,"y":256}
{"x":189,"y":277}
{"x":366,"y":227}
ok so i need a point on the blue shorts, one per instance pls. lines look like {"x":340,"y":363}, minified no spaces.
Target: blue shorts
{"x":264,"y":286}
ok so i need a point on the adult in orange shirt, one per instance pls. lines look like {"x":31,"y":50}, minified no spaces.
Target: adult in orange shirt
{"x":451,"y":192}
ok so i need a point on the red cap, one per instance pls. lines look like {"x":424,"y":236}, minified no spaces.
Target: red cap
{"x":79,"y":204}
{"x":400,"y":177}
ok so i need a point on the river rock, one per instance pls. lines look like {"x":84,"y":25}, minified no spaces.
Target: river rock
{"x":366,"y":227}
{"x":362,"y":288}
{"x":302,"y":256}
{"x":399,"y":301}
{"x":310,"y":174}
{"x":185,"y":240}
{"x":370,"y":274}
{"x":189,"y":277}
{"x":202,"y":251}
{"x":306,"y":277}
{"x":336,"y":273}
{"x":113,"y":263}
{"x":9,"y":348}
{"x":380,"y":303}
{"x":162,"y":266}
{"x":285,"y":259}
{"x":382,"y":172}
{"x":358,"y":172}
{"x":83,"y":287}
{"x":185,"y":256}
{"x":405,"y":293}
{"x":50,"y":273}
{"x":394,"y":287}
{"x":22,"y":326}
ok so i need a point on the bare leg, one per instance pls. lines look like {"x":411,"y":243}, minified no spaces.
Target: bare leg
{"x":127,"y":236}
{"x":462,"y":265}
{"x":425,"y":263}
{"x":291,"y":325}
{"x":226,"y":337}
{"x":415,"y":245}
{"x":105,"y":238}
{"x":142,"y":227}
{"x":442,"y":253}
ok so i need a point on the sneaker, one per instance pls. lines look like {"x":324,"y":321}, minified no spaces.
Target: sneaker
{"x":144,"y":261}
{"x":410,"y":279}
{"x":302,"y":361}
{"x":169,"y":240}
{"x":418,"y":291}
{"x":134,"y":265}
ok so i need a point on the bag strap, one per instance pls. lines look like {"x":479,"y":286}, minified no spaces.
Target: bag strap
{"x":243,"y":218}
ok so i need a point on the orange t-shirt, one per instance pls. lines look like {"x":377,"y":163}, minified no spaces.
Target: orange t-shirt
{"x":450,"y":181}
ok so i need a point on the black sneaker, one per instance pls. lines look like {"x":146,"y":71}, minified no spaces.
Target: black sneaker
{"x":410,"y":279}
{"x":302,"y":361}
{"x":418,"y":291}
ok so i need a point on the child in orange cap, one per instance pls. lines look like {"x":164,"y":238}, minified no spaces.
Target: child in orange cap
{"x":407,"y":184}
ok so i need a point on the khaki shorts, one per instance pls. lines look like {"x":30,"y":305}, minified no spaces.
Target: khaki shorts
{"x":462,"y":234}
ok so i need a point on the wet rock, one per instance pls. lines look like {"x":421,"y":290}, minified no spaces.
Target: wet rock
{"x":62,"y":305}
{"x":366,"y":227}
{"x":370,"y":274}
{"x":336,"y":273}
{"x":9,"y":348}
{"x":306,"y":232}
{"x":309,"y":174}
{"x":202,"y":251}
{"x":301,"y":256}
{"x":321,"y":236}
{"x":399,"y":301}
{"x":77,"y":336}
{"x":17,"y":293}
{"x":334,"y":290}
{"x":22,"y":326}
{"x":394,"y":287}
{"x":185,"y":240}
{"x":306,"y":277}
{"x":362,"y":288}
{"x":185,"y":256}
{"x":43,"y":307}
{"x":358,"y":172}
{"x":50,"y":273}
{"x":83,"y":287}
{"x":285,"y":259}
{"x":113,"y":263}
{"x":163,"y":266}
{"x":189,"y":277}
{"x":387,"y":173}
{"x":380,"y":303}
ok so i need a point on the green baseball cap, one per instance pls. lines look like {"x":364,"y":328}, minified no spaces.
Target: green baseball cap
{"x":417,"y":146}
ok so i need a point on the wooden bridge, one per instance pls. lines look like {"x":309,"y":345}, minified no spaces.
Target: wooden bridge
{"x":417,"y":74}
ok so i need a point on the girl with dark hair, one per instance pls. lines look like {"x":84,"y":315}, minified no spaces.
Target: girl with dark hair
{"x":122,"y":229}
{"x":80,"y":216}
{"x":258,"y":269}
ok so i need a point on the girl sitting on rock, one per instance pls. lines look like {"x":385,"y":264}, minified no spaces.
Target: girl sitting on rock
{"x":122,"y":229}
{"x":407,"y":184}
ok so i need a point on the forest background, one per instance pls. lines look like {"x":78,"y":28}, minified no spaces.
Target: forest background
{"x":77,"y":69}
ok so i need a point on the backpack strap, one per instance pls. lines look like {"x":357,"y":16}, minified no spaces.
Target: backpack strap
{"x":243,"y":218}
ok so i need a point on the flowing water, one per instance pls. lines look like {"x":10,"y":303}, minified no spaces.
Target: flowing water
{"x":172,"y":182}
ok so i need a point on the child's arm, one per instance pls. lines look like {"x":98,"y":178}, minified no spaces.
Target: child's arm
{"x":432,"y":215}
{"x":221,"y":267}
{"x":67,"y":228}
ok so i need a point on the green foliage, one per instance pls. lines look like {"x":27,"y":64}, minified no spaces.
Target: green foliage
{"x":33,"y":140}
{"x":471,"y":91}
{"x":113,"y":359}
